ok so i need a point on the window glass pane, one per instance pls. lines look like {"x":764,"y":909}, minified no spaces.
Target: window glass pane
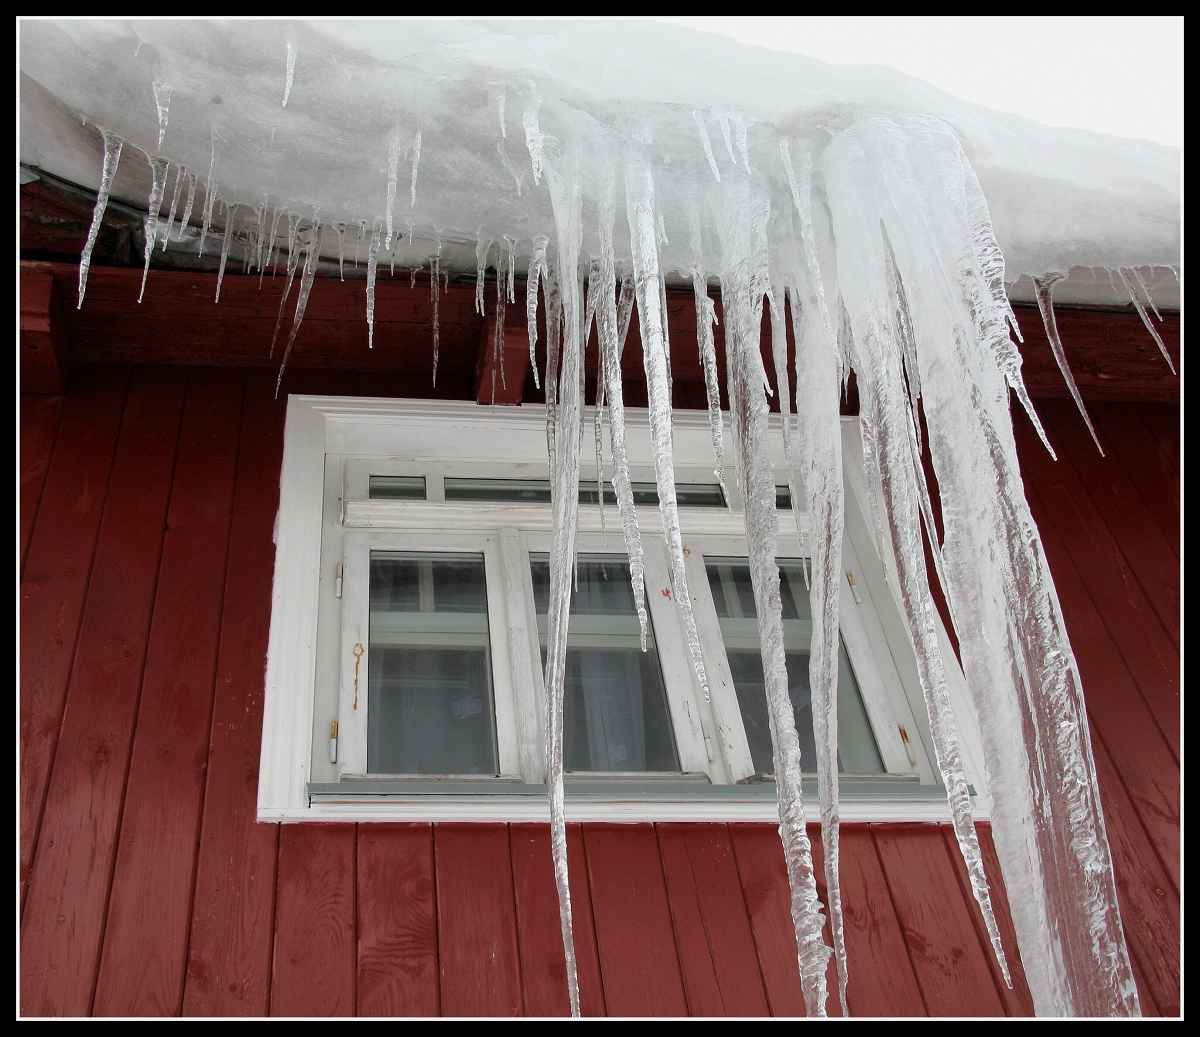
{"x":616,"y":716}
{"x":397,"y":487}
{"x":537,"y":491}
{"x":430,"y":706}
{"x":733,"y":596}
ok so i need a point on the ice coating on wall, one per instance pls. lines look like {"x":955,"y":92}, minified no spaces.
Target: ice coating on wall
{"x":855,"y":199}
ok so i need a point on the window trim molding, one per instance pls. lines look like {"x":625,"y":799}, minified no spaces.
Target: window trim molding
{"x":318,"y":426}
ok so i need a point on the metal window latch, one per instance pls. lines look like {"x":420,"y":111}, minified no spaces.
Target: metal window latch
{"x":337,"y":583}
{"x":907,"y":745}
{"x":849,"y":577}
{"x":333,"y":738}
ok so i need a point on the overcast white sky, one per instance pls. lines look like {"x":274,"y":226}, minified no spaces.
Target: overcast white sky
{"x":1115,"y":75}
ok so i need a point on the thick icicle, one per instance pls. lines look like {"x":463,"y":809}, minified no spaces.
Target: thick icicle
{"x":187,"y":208}
{"x":393,"y":163}
{"x":1137,"y":304}
{"x":639,"y":196}
{"x":708,"y":151}
{"x":162,"y":101}
{"x":180,"y":173}
{"x":112,"y":156}
{"x":416,"y":161}
{"x":306,"y":282}
{"x":610,"y":332}
{"x":748,"y":418}
{"x":1044,"y":290}
{"x":291,"y":72}
{"x":537,"y":266}
{"x":435,"y":291}
{"x":372,"y":265}
{"x":158,"y":185}
{"x":225,"y":250}
{"x":565,"y":183}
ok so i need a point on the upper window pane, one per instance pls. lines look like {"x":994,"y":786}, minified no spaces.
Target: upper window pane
{"x":537,"y":491}
{"x":733,"y":597}
{"x":616,"y":717}
{"x":397,"y":487}
{"x":430,"y":705}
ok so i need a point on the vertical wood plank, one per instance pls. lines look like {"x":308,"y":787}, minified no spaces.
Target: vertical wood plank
{"x":1163,"y":421}
{"x":57,"y":567}
{"x":478,"y":957}
{"x":313,"y":965}
{"x":145,"y":942}
{"x":229,"y":949}
{"x":638,"y":957}
{"x":543,"y":965}
{"x":712,"y":927}
{"x":69,"y":885}
{"x":1017,"y":1001}
{"x":947,"y":956}
{"x":397,"y":922}
{"x":39,"y":425}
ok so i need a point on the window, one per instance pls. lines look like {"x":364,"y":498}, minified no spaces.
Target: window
{"x":405,"y":669}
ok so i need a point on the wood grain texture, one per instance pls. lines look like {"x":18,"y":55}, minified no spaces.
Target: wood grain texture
{"x":313,"y":965}
{"x":950,"y":963}
{"x":397,"y":921}
{"x":57,"y":568}
{"x":64,"y":915}
{"x":229,"y":948}
{"x":39,"y":426}
{"x":1164,"y":424}
{"x":478,"y":958}
{"x":145,"y":942}
{"x":712,"y":927}
{"x":638,"y":956}
{"x":543,"y":965}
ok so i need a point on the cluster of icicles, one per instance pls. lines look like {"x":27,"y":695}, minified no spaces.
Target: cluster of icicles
{"x":886,"y":260}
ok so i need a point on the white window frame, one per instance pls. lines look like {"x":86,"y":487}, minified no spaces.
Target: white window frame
{"x":327,"y":526}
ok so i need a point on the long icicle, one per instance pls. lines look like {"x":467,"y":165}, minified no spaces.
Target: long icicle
{"x":229,"y":211}
{"x":537,"y":266}
{"x":306,"y":283}
{"x":158,"y":176}
{"x":112,"y":156}
{"x":706,"y":318}
{"x":372,"y":269}
{"x":1043,"y":288}
{"x":435,"y":290}
{"x":1137,"y":304}
{"x":180,"y":174}
{"x":293,"y":256}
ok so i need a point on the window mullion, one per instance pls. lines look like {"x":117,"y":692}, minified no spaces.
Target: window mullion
{"x":526,"y":675}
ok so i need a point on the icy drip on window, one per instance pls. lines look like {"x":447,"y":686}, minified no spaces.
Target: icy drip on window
{"x":312,"y":257}
{"x":565,"y":183}
{"x":180,"y":174}
{"x":1137,"y":303}
{"x":225,"y":254}
{"x":1044,"y":290}
{"x":372,"y":268}
{"x":748,"y":417}
{"x":537,"y":268}
{"x":639,"y":202}
{"x":158,"y":186}
{"x":112,"y":156}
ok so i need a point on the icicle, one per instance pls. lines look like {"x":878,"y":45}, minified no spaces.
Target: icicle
{"x":210,"y":197}
{"x":706,"y":318}
{"x":412,"y":277}
{"x":639,"y":193}
{"x":225,"y":252}
{"x":512,"y":269}
{"x":291,"y":71}
{"x":1137,"y":275}
{"x":393,"y":162}
{"x":293,"y":256}
{"x":537,"y":266}
{"x":565,"y":184}
{"x":185,"y":219}
{"x":802,"y":197}
{"x":533,"y":140}
{"x":416,"y":160}
{"x":270,"y":245}
{"x":554,"y":315}
{"x":1137,"y":304}
{"x":158,"y":186}
{"x":748,"y":418}
{"x":498,"y":335}
{"x":362,"y":231}
{"x":311,"y":260}
{"x":162,"y":101}
{"x":435,"y":267}
{"x":113,"y":145}
{"x":724,"y":118}
{"x":708,"y":151}
{"x":624,"y":313}
{"x":1044,"y":290}
{"x":500,"y":112}
{"x":482,"y":247}
{"x":180,"y":172}
{"x":783,"y":381}
{"x":740,"y":127}
{"x":372,"y":264}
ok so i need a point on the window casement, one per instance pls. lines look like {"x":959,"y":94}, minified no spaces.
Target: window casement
{"x":405,"y":665}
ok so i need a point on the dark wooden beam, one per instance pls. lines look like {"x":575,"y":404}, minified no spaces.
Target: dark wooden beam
{"x":45,"y":354}
{"x":500,"y":375}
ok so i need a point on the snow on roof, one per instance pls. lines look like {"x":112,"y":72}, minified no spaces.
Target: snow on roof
{"x":455,"y":110}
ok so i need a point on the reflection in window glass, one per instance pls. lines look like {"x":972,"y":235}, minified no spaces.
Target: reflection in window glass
{"x":616,"y":716}
{"x":537,"y":491}
{"x":733,"y":597}
{"x":430,"y":708}
{"x":397,"y":487}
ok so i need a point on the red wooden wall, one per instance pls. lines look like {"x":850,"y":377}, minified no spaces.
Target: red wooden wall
{"x":148,"y":496}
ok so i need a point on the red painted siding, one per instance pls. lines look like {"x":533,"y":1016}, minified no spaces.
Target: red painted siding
{"x":148,"y":501}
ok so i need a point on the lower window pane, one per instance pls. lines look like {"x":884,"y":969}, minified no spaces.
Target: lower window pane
{"x":733,"y":596}
{"x":615,"y":716}
{"x":430,"y":707}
